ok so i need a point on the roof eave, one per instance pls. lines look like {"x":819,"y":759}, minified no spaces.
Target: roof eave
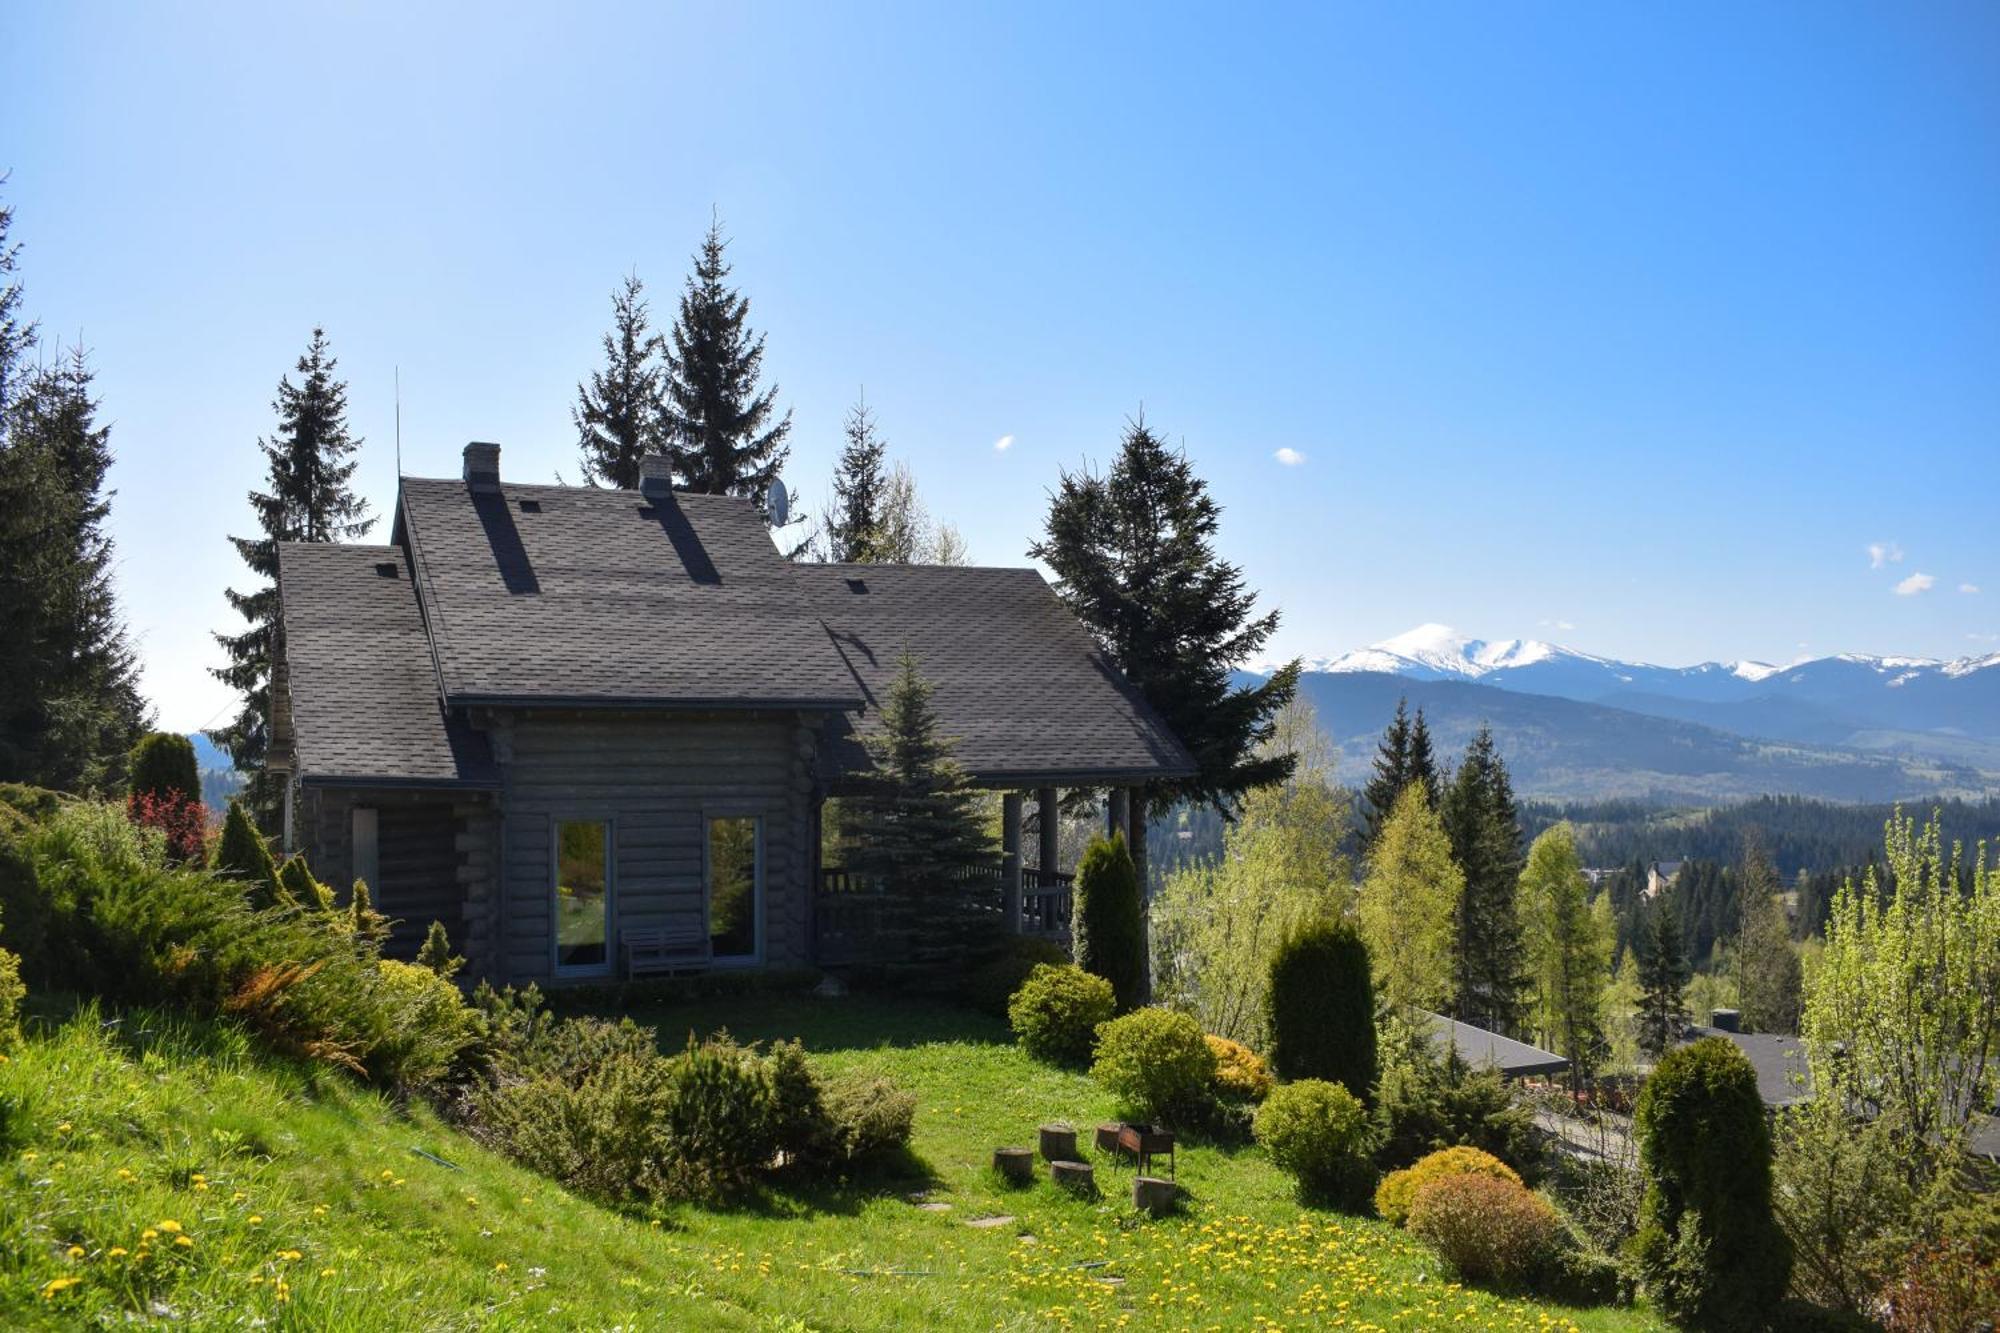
{"x":739,"y":704}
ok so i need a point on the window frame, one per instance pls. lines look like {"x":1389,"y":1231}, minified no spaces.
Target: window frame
{"x":609,"y":823}
{"x":759,"y":818}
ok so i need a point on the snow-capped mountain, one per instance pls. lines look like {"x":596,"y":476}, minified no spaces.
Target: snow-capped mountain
{"x":1907,"y":705}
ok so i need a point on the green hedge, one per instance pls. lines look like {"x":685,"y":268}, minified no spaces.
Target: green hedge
{"x":1321,"y":1008}
{"x":163,"y":764}
{"x":1109,"y":924}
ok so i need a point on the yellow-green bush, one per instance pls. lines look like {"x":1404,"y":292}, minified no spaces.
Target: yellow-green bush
{"x":1056,"y":1012}
{"x":1240,"y":1073}
{"x":1399,"y":1189}
{"x":1487,"y":1228}
{"x":1157,"y":1063}
{"x":1319,"y":1132}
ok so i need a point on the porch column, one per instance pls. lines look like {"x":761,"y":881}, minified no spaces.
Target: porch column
{"x":1117,"y":812}
{"x":1010,"y":861}
{"x":1048,"y":825}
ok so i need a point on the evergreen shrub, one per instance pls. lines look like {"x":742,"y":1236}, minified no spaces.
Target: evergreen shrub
{"x":1109,"y":920}
{"x":1157,"y":1062}
{"x":1321,"y":1008}
{"x":1709,"y":1251}
{"x":1487,"y":1228}
{"x":244,"y":856}
{"x":1399,"y":1189}
{"x":1319,"y":1133}
{"x":12,"y":992}
{"x":1240,"y":1073}
{"x":1056,"y":1013}
{"x":163,"y":764}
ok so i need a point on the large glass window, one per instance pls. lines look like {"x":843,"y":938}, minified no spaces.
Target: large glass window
{"x":733,"y":870}
{"x":583,"y":894}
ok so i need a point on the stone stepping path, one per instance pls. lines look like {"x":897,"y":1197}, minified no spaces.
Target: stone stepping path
{"x":986,"y":1223}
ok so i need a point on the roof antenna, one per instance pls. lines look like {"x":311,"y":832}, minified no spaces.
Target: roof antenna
{"x":399,"y":423}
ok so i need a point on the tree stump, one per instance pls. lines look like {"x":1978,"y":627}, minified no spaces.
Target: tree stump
{"x":1154,"y":1195}
{"x":1058,"y":1143}
{"x":1076,"y":1177}
{"x":1107,"y":1136}
{"x":1015,"y":1165}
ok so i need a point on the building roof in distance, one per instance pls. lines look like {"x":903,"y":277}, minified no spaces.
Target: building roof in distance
{"x":1481,"y":1049}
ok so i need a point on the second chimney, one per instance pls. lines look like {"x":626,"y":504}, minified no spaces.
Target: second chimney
{"x":482,"y":466}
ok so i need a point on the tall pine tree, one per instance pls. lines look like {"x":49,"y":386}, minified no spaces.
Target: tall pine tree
{"x":1485,"y":827}
{"x":310,"y":498}
{"x":1402,"y":757}
{"x":1134,"y":557}
{"x":853,"y":527}
{"x":720,"y":425}
{"x":70,"y":708}
{"x":1663,"y":977}
{"x":618,"y":413}
{"x":17,"y":332}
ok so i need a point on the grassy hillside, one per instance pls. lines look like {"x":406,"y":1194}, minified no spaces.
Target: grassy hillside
{"x":281,"y":1192}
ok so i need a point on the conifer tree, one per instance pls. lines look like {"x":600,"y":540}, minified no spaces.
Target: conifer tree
{"x":1663,"y":979}
{"x":17,"y":332}
{"x":310,"y":498}
{"x":1485,"y":828}
{"x":720,"y":425}
{"x":1134,"y":557}
{"x":243,"y":855}
{"x":853,"y":526}
{"x":1769,"y":976}
{"x":618,"y":413}
{"x":70,"y":708}
{"x":1409,"y":904}
{"x":436,"y":953}
{"x":1403,"y":756}
{"x":369,"y":925}
{"x":915,"y":827}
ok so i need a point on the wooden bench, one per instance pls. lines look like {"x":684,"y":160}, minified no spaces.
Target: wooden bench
{"x":676,"y":949}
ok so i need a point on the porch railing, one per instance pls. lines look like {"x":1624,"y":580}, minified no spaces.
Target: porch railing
{"x":857,"y":919}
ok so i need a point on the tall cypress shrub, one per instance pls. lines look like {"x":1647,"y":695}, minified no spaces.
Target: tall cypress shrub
{"x":1321,"y":1007}
{"x":244,"y":855}
{"x":1109,"y":926}
{"x":163,"y":764}
{"x":1709,"y":1250}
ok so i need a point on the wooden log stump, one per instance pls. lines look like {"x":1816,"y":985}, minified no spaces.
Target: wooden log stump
{"x":1058,"y":1143}
{"x":1076,"y":1177}
{"x":1154,"y":1195}
{"x":1107,"y":1136}
{"x":1015,"y":1165}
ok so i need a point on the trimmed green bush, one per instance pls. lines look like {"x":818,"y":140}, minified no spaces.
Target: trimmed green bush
{"x":717,"y":1122}
{"x":1157,"y":1062}
{"x":295,"y":879}
{"x":244,"y":856}
{"x":1057,"y":1011}
{"x":1321,"y":1007}
{"x":163,"y":764}
{"x":1398,"y":1190}
{"x":989,"y":987}
{"x":871,"y":1117}
{"x":1487,"y":1228}
{"x":1709,"y":1252}
{"x":1319,"y":1133}
{"x":1109,"y":922}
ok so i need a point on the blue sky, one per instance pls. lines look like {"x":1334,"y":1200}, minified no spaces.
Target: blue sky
{"x":1628,"y":326}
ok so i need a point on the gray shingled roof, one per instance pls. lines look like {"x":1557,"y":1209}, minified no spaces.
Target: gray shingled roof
{"x":1481,"y":1049}
{"x":363,"y":691}
{"x":565,"y":594}
{"x":1780,"y":1062}
{"x":1017,"y":682}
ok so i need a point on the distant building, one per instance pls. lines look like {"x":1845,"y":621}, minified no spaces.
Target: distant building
{"x":1660,"y":877}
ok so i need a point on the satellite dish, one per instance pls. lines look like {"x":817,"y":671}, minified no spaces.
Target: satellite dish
{"x":778,"y":504}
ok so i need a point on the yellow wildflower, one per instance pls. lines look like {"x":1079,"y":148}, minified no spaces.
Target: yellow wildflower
{"x":500,"y":1267}
{"x":256,"y":1219}
{"x":149,"y":1234}
{"x":184,"y":1241}
{"x":326,"y":1272}
{"x":63,"y":1128}
{"x":55,"y":1286}
{"x":290,"y":1256}
{"x":76,"y":1251}
{"x":116,"y":1252}
{"x":168,"y":1225}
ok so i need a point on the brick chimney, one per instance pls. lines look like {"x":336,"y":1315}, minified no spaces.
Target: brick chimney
{"x":482,"y":466}
{"x":656,"y":477}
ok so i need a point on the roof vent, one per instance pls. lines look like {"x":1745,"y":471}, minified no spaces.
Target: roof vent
{"x":656,"y":476}
{"x":482,"y":466}
{"x":857,"y":585}
{"x":1726,"y":1020}
{"x":386,"y":569}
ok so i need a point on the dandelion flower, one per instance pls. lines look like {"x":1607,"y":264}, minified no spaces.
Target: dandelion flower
{"x":256,"y":1219}
{"x":76,"y":1251}
{"x":55,"y":1286}
{"x":185,"y":1242}
{"x":500,"y":1267}
{"x":290,"y":1256}
{"x":63,"y":1128}
{"x":168,"y":1225}
{"x":326,"y":1272}
{"x":116,"y":1252}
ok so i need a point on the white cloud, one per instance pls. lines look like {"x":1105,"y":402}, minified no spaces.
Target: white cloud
{"x":1968,"y":587}
{"x":1557,"y":624}
{"x":1003,"y":444}
{"x":1883,"y":553}
{"x":1915,"y":584}
{"x":1289,"y":457}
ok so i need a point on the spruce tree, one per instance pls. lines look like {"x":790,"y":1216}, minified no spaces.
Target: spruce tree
{"x":243,"y":855}
{"x":1663,"y":979}
{"x":17,"y":332}
{"x":310,"y":498}
{"x":435,"y":953}
{"x":719,"y":424}
{"x":1485,"y":828}
{"x":1403,"y":756}
{"x":70,"y":708}
{"x":1134,"y":557}
{"x":1423,"y":761}
{"x":854,"y":525}
{"x":618,"y":413}
{"x":915,"y":827}
{"x":1770,"y":979}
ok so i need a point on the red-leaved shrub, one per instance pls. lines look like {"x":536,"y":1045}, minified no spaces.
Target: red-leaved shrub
{"x":182,"y":819}
{"x":1487,"y":1228}
{"x":1943,"y":1286}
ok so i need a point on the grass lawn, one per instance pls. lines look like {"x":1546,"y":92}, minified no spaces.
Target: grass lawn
{"x":153,"y":1165}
